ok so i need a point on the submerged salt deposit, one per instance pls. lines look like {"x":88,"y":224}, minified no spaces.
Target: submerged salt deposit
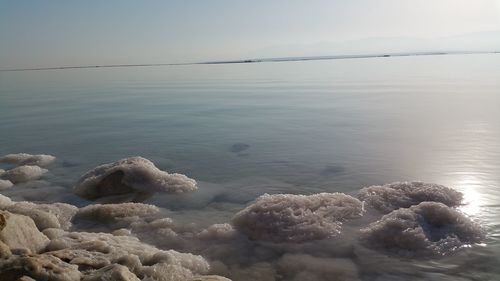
{"x":317,"y":237}
{"x":130,"y":179}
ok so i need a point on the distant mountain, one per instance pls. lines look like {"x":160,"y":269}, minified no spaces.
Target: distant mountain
{"x":470,"y":42}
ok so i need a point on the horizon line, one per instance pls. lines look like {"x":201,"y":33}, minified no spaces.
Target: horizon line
{"x":258,"y":60}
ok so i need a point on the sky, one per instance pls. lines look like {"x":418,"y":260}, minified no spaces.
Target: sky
{"x":37,"y":33}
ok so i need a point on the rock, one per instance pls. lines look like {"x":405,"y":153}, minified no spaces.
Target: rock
{"x":38,"y":267}
{"x":389,"y":197}
{"x":113,"y":272}
{"x":18,"y":231}
{"x":41,"y":160}
{"x":297,"y":218}
{"x":429,"y":228}
{"x":131,"y":179}
{"x":23,"y":174}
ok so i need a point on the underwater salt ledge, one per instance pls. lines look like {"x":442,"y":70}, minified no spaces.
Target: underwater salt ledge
{"x":277,"y":237}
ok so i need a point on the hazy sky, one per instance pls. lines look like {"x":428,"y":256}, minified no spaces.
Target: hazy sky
{"x":49,"y":33}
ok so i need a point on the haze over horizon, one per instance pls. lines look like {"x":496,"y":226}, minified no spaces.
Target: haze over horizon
{"x":57,"y":33}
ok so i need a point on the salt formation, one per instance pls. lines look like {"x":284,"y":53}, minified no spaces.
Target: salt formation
{"x":389,"y":197}
{"x":4,"y":201}
{"x":55,"y":215}
{"x":115,"y":212}
{"x":20,"y":232}
{"x":130,"y":179}
{"x":113,"y":272}
{"x":41,"y":160}
{"x":96,"y":251}
{"x":38,"y":267}
{"x":428,"y":228}
{"x":297,"y":218}
{"x":4,"y":184}
{"x":23,"y":174}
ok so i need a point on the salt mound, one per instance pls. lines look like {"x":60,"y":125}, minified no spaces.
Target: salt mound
{"x":428,"y":228}
{"x":130,"y":179}
{"x":101,"y":249}
{"x":23,"y":174}
{"x":41,"y":160}
{"x":20,"y":232}
{"x":114,"y":212}
{"x":4,"y":184}
{"x":5,"y":201}
{"x":397,"y":195}
{"x":55,"y":215}
{"x":297,"y":218}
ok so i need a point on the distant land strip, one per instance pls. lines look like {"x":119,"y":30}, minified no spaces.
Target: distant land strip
{"x":276,"y":59}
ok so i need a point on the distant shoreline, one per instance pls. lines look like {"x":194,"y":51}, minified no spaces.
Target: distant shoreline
{"x":275,"y":59}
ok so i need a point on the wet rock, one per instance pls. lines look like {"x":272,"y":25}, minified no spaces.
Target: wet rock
{"x":18,"y":231}
{"x":297,"y":218}
{"x":130,"y":180}
{"x":41,"y":160}
{"x":114,"y":272}
{"x":239,"y":147}
{"x":389,"y":197}
{"x":428,"y":228}
{"x":38,"y":267}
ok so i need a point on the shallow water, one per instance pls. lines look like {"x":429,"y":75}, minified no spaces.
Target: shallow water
{"x":289,"y":127}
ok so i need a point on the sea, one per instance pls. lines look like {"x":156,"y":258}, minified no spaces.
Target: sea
{"x":295,"y":127}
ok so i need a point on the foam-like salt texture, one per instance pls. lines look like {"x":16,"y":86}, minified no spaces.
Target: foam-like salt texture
{"x":113,"y":212}
{"x":396,"y":195}
{"x":55,"y":215}
{"x":297,"y":218}
{"x":100,"y":249}
{"x":429,"y":228}
{"x":130,"y":179}
{"x":41,"y":160}
{"x":23,"y":173}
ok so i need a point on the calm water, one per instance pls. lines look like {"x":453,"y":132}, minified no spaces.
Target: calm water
{"x":308,"y":127}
